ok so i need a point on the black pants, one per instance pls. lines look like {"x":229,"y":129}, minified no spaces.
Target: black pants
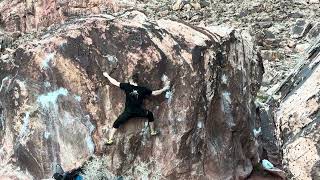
{"x":127,"y":114}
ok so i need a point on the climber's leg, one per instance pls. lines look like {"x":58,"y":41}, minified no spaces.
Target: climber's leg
{"x":110,"y":140}
{"x":153,"y":132}
{"x":147,"y":114}
{"x":120,"y":120}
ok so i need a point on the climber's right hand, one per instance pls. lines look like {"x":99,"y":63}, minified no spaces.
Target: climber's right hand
{"x":105,"y":74}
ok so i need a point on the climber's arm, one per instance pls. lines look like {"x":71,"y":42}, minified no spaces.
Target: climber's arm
{"x":113,"y":81}
{"x":165,"y":88}
{"x":158,"y":92}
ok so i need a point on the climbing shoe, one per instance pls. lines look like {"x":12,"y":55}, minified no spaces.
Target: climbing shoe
{"x":154,"y":133}
{"x":109,"y":142}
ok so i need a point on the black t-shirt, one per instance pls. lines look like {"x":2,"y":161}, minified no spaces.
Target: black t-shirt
{"x":134,"y":95}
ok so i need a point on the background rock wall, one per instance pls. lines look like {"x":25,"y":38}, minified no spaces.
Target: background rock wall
{"x":293,"y":130}
{"x":298,"y":118}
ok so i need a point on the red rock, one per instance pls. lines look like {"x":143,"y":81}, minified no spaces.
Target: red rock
{"x":206,"y":127}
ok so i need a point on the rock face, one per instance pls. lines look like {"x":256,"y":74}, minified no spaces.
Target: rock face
{"x":293,"y":130}
{"x":298,"y":118}
{"x":55,"y":102}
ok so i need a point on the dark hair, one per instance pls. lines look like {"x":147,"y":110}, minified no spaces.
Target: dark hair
{"x":135,"y":77}
{"x":57,"y":176}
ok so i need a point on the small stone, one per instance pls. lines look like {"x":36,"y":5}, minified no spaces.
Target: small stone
{"x":301,"y":2}
{"x":265,"y":24}
{"x":272,"y":43}
{"x":270,"y":55}
{"x":314,"y":2}
{"x":16,"y":34}
{"x":300,"y":28}
{"x":196,"y":18}
{"x":4,"y":57}
{"x":187,"y":7}
{"x":264,"y":18}
{"x":296,"y":15}
{"x":301,"y":47}
{"x":314,"y":32}
{"x":243,"y":14}
{"x":163,"y":13}
{"x":268,"y":34}
{"x":204,"y":3}
{"x":196,"y":5}
{"x":291,"y":44}
{"x":178,"y":5}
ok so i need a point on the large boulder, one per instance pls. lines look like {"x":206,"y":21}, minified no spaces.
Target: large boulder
{"x":298,"y":117}
{"x":55,"y":102}
{"x":293,"y":137}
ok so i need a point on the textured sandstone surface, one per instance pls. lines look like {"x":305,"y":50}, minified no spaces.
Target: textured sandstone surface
{"x":293,"y":130}
{"x":55,"y":102}
{"x":298,"y":118}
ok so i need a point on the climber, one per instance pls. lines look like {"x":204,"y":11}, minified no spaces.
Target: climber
{"x":134,"y":99}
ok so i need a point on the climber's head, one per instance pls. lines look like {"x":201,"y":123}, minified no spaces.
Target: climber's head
{"x":134,"y":79}
{"x":57,"y":176}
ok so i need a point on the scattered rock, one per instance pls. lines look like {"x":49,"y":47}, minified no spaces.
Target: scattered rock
{"x":265,"y":24}
{"x":187,"y":7}
{"x":195,"y":5}
{"x":270,"y":55}
{"x":296,"y":15}
{"x":314,"y":2}
{"x":301,"y":47}
{"x":178,"y":5}
{"x":243,"y":13}
{"x":268,"y":34}
{"x":300,"y":29}
{"x":314,"y":32}
{"x":291,"y":43}
{"x":271,"y":43}
{"x":4,"y":56}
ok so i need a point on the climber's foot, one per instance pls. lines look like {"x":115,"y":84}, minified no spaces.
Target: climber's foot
{"x":109,"y":142}
{"x":154,"y":133}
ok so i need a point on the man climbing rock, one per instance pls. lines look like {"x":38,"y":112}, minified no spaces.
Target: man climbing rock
{"x":134,"y":102}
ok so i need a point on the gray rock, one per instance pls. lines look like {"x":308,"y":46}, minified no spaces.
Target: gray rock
{"x":265,"y":24}
{"x":4,"y":57}
{"x":5,"y":42}
{"x":268,"y":34}
{"x":300,"y":29}
{"x":270,"y":55}
{"x":272,"y":43}
{"x":243,"y":14}
{"x":296,"y":15}
{"x":314,"y":32}
{"x":315,"y":173}
{"x":314,"y":2}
